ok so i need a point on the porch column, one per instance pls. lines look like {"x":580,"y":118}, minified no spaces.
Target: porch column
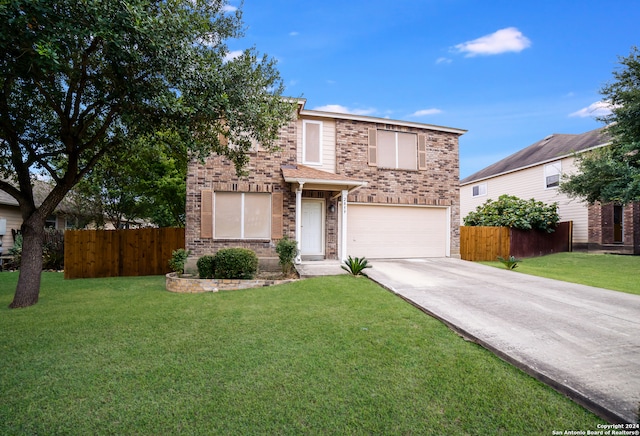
{"x":343,"y":236}
{"x":299,"y":220}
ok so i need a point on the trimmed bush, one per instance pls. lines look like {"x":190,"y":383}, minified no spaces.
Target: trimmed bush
{"x":235,"y":263}
{"x":206,"y":266}
{"x":178,"y":259}
{"x":287,"y":250}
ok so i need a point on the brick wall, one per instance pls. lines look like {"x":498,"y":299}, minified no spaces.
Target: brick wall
{"x":601,"y":229}
{"x":436,"y":186}
{"x":264,"y":175}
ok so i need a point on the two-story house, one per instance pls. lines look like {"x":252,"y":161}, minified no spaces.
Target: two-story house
{"x":340,"y":185}
{"x":536,"y":172}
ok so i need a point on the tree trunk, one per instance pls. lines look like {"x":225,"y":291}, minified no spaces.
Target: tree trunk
{"x":28,"y":288}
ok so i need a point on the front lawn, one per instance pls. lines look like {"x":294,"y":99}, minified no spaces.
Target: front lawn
{"x":609,"y":271}
{"x":331,"y":355}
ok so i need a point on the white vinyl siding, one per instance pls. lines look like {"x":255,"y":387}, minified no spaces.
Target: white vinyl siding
{"x":328,"y":145}
{"x":14,"y":221}
{"x":377,"y":231}
{"x":527,"y":184}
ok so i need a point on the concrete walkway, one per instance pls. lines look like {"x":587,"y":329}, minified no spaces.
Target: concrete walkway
{"x":315,"y":268}
{"x":583,"y":341}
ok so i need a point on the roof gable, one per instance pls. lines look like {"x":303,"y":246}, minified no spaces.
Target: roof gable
{"x":552,"y":147}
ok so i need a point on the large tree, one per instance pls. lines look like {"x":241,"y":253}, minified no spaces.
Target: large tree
{"x":81,"y":79}
{"x":612,"y":173}
{"x":149,"y":186}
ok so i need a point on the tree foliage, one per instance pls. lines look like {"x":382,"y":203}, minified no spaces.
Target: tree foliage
{"x":511,"y":211}
{"x":612,"y":173}
{"x":85,"y":79}
{"x":146,"y":187}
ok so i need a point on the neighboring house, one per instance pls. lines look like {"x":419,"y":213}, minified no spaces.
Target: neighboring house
{"x":65,"y":216}
{"x":341,"y":185}
{"x":536,"y":172}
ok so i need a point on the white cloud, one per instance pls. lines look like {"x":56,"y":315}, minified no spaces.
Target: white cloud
{"x":501,"y":41}
{"x":344,"y":110}
{"x":229,"y":8}
{"x":425,"y":112}
{"x":294,"y":33}
{"x":443,"y":60}
{"x":232,"y":55}
{"x":597,"y":109}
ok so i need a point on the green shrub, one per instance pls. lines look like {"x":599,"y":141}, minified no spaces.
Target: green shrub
{"x":510,"y":263}
{"x":287,"y":250}
{"x":355,"y":266}
{"x":16,"y":251}
{"x":53,"y":249}
{"x":235,"y":263}
{"x":206,"y":266}
{"x":178,"y":259}
{"x":511,"y":211}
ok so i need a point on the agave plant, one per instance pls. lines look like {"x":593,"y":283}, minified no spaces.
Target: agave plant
{"x":510,"y":263}
{"x":355,"y":265}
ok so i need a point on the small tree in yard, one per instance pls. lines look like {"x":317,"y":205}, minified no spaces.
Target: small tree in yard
{"x":80,"y":80}
{"x":511,"y":211}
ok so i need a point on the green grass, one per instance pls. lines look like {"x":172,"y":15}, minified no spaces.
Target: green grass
{"x":331,"y":355}
{"x":609,"y":271}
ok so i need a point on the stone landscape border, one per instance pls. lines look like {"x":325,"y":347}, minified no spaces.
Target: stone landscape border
{"x":192,"y":285}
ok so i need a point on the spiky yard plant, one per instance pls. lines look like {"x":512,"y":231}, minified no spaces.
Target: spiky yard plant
{"x":356,"y":265}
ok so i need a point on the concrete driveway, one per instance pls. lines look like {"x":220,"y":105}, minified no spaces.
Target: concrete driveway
{"x":583,"y":341}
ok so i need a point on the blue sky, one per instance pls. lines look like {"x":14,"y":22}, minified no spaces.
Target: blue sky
{"x":509,"y":72}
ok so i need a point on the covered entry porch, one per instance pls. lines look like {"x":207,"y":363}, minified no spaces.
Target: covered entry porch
{"x":321,"y":202}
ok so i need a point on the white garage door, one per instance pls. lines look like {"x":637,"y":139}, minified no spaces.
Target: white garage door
{"x":396,"y":231}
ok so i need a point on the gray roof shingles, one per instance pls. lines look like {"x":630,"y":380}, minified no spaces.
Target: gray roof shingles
{"x":550,"y":148}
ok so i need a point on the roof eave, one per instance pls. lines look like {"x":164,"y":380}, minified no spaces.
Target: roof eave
{"x":542,"y":162}
{"x":342,"y":116}
{"x":310,"y":181}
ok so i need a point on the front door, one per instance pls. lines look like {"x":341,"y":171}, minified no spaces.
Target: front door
{"x":312,"y":237}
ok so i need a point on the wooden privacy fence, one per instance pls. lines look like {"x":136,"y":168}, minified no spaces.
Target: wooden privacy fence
{"x":115,"y":253}
{"x":487,"y":243}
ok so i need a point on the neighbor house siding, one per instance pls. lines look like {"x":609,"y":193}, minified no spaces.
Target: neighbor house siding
{"x":530,"y":183}
{"x":14,"y":222}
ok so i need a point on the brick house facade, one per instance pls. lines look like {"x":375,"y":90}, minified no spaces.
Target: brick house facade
{"x":614,"y":228}
{"x":315,"y":186}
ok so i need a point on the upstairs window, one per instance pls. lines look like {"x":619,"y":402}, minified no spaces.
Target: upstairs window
{"x":552,"y":174}
{"x":397,"y":150}
{"x":312,"y":142}
{"x":479,"y":190}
